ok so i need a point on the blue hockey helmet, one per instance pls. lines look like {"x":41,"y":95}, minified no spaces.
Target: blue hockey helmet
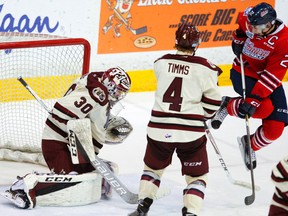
{"x":262,"y":13}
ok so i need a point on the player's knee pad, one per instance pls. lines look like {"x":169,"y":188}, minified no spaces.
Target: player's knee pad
{"x":189,"y":179}
{"x":268,"y":132}
{"x":273,"y":129}
{"x":264,"y":110}
{"x":157,"y":172}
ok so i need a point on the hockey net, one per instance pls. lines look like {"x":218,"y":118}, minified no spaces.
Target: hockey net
{"x":49,"y":66}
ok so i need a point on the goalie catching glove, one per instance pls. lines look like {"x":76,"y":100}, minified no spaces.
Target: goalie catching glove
{"x":118,"y":129}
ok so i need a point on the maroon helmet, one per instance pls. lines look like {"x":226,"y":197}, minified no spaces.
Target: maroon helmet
{"x":117,"y":82}
{"x":187,"y":36}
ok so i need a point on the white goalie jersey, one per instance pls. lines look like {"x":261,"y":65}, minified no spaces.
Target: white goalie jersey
{"x":86,"y":97}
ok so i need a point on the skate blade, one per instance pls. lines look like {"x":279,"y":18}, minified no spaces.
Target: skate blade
{"x":242,"y":150}
{"x":18,"y":201}
{"x":242,"y":153}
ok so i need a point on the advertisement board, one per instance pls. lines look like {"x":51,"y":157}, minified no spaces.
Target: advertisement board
{"x":150,"y":25}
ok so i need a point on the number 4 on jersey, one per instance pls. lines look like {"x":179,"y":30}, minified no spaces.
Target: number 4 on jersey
{"x":173,"y":94}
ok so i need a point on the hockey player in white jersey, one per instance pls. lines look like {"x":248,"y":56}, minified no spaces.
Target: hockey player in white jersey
{"x":187,"y":94}
{"x":279,"y":204}
{"x":90,"y":97}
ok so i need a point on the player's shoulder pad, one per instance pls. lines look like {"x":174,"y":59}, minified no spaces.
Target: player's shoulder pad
{"x":166,"y":56}
{"x":207,"y":63}
{"x":96,"y":89}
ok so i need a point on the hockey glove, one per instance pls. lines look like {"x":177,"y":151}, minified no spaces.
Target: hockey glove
{"x":238,"y":41}
{"x":118,"y":130}
{"x":249,"y":106}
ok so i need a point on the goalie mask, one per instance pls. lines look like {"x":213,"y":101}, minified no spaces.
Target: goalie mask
{"x":187,"y":37}
{"x":117,"y":82}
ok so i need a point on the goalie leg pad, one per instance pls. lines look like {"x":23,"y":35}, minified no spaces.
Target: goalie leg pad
{"x":77,"y":190}
{"x":49,"y":189}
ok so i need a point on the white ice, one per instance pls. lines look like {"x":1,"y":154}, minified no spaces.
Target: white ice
{"x":222,"y":197}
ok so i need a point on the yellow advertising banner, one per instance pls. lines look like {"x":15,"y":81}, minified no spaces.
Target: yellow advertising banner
{"x":150,"y":25}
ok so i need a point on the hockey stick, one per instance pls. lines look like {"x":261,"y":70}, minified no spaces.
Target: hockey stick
{"x":223,"y":164}
{"x":106,"y":173}
{"x":98,"y":164}
{"x":248,"y":199}
{"x":23,"y":82}
{"x":134,"y":31}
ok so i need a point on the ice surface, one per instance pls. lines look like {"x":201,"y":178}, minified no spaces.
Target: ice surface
{"x":222,"y":198}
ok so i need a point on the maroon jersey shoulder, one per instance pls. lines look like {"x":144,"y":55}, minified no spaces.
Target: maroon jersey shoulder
{"x":192,"y":59}
{"x":98,"y":92}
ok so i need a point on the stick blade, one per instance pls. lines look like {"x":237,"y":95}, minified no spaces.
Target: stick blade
{"x":139,"y":30}
{"x":249,"y":199}
{"x":246,"y":185}
{"x":130,"y":198}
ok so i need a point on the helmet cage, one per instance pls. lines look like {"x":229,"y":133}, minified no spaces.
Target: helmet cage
{"x":117,"y":82}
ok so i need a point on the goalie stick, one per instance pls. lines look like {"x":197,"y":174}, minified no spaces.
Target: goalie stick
{"x":23,"y":82}
{"x":107,"y":174}
{"x":248,"y":199}
{"x":223,"y":164}
{"x":100,"y":166}
{"x":134,"y":31}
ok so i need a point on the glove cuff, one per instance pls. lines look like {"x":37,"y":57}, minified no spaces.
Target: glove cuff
{"x":257,"y":97}
{"x":254,"y":100}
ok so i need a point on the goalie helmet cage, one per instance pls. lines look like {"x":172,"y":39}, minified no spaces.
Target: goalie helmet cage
{"x":49,"y":66}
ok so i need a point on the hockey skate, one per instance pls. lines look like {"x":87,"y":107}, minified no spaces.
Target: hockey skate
{"x":185,"y":213}
{"x":19,"y":198}
{"x":243,"y":145}
{"x":221,"y":114}
{"x":142,"y":208}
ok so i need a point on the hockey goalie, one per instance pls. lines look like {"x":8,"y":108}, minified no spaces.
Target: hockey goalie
{"x":83,"y":113}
